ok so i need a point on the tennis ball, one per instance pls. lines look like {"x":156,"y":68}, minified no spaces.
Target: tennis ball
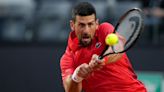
{"x":111,"y":39}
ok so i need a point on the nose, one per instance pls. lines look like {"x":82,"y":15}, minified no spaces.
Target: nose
{"x":86,"y":29}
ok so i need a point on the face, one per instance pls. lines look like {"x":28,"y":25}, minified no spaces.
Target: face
{"x":84,"y":27}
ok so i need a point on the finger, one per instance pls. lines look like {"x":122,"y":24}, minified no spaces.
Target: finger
{"x":84,"y":71}
{"x":94,"y":57}
{"x":99,"y":68}
{"x":93,"y":64}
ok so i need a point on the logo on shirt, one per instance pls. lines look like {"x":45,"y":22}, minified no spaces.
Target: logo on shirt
{"x":98,"y":44}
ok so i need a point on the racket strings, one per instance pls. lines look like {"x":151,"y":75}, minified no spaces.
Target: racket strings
{"x":128,"y":30}
{"x":131,"y":26}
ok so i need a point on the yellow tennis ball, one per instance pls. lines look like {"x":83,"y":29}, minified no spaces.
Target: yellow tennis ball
{"x":111,"y":39}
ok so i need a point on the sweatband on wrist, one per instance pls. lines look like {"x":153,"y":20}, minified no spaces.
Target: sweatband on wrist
{"x":76,"y":78}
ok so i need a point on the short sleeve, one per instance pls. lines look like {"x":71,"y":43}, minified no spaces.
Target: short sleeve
{"x":104,"y":29}
{"x":66,"y":63}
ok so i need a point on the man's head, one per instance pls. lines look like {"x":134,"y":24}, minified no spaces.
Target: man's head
{"x":84,"y":22}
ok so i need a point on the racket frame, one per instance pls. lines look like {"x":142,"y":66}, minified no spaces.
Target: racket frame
{"x":116,"y":27}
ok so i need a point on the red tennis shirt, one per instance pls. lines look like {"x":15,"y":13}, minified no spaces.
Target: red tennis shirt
{"x":114,"y":77}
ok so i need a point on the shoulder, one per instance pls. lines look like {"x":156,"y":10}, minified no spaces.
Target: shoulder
{"x":72,"y":35}
{"x":104,"y":29}
{"x":106,"y":25}
{"x":72,"y":41}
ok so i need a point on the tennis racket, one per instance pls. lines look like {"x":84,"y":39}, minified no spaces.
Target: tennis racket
{"x":128,"y":30}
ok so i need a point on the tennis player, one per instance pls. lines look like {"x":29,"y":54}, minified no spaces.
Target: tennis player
{"x":82,"y":70}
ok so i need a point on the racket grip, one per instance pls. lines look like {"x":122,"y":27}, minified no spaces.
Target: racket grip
{"x":106,"y":59}
{"x":100,"y":57}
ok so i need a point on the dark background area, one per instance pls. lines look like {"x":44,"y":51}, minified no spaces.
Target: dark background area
{"x":30,"y":69}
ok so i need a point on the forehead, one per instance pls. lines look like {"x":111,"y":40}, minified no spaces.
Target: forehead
{"x":85,"y":19}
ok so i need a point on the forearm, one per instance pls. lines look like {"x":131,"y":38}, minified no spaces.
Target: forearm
{"x":71,"y":86}
{"x":113,"y":58}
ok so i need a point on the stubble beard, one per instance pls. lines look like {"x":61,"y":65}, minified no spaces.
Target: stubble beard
{"x":85,"y":43}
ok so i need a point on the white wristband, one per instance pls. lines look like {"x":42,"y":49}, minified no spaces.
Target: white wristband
{"x":76,"y":78}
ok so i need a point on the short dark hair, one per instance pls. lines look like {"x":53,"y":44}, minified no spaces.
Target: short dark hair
{"x":83,"y":9}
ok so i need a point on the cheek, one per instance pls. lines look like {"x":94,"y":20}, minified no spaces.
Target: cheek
{"x":93,"y":32}
{"x":78,"y":33}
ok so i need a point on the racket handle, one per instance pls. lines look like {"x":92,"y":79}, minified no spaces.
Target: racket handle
{"x":106,"y":59}
{"x":100,"y":57}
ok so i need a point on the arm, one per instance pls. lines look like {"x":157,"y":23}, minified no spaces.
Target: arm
{"x":67,"y":68}
{"x":112,"y":58}
{"x":115,"y":57}
{"x":97,"y":64}
{"x":105,"y":29}
{"x":69,"y":74}
{"x":71,"y":86}
{"x":73,"y":83}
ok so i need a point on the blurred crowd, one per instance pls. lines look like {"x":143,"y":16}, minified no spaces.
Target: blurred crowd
{"x":26,"y":21}
{"x":154,"y":12}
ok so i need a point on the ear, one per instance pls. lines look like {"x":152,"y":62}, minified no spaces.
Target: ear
{"x":72,"y":25}
{"x":97,"y":23}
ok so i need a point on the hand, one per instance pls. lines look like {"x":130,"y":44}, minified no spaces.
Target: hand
{"x":119,"y":46}
{"x":84,"y":70}
{"x":96,"y":63}
{"x":81,"y":72}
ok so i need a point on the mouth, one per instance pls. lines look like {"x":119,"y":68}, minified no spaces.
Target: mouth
{"x":85,"y":40}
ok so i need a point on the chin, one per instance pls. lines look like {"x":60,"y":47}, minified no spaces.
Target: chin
{"x":85,"y":44}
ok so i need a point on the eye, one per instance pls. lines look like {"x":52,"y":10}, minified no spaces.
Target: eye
{"x":90,"y":24}
{"x":82,"y":25}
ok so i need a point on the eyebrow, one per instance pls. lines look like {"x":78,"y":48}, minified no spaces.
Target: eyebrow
{"x":88,"y":22}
